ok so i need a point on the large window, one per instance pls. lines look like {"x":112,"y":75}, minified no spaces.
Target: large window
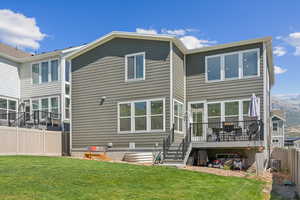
{"x":157,"y":115}
{"x":214,"y":113}
{"x":46,"y":105}
{"x":250,"y":63}
{"x":178,"y":116}
{"x":35,"y":73}
{"x":141,"y":116}
{"x":135,"y":66}
{"x":8,"y":107}
{"x":125,"y":117}
{"x":231,"y":66}
{"x":67,"y":71}
{"x":232,"y":111}
{"x":235,"y":65}
{"x":45,"y":71}
{"x":54,"y":70}
{"x":214,"y":68}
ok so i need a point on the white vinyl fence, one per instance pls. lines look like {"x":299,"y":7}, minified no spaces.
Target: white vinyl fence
{"x":22,"y":141}
{"x":290,"y":160}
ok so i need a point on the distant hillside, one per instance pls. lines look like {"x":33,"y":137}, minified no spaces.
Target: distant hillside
{"x":291,"y":105}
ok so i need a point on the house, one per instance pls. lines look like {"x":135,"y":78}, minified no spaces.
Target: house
{"x":278,"y":128}
{"x":291,"y":141}
{"x":139,"y":92}
{"x":34,"y":88}
{"x":297,"y":144}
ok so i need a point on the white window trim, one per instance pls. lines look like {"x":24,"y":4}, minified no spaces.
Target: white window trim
{"x":49,"y":71}
{"x":126,"y":67}
{"x":179,"y":117}
{"x":7,"y":105}
{"x":49,"y":103}
{"x":148,"y":116}
{"x":222,"y":67}
{"x":241,"y":111}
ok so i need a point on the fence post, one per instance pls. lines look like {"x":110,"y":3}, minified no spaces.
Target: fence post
{"x":44,"y":138}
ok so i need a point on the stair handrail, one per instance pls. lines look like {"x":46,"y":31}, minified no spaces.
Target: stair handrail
{"x":168,"y":140}
{"x":186,"y":142}
{"x":19,"y":116}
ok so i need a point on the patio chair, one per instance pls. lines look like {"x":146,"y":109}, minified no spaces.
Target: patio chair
{"x":252,"y":129}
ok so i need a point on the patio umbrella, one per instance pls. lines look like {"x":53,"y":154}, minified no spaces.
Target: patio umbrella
{"x":254,"y":110}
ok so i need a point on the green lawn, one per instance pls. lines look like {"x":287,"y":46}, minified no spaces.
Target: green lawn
{"x":44,"y":178}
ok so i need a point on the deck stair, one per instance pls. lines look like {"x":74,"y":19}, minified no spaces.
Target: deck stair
{"x":176,"y":148}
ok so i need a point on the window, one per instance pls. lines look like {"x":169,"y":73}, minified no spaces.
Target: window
{"x":275,"y":126}
{"x":67,"y":71}
{"x":231,"y":66}
{"x":45,"y":72}
{"x":67,"y":108}
{"x":54,"y":70}
{"x":8,"y":108}
{"x":125,"y":117}
{"x":44,"y":107}
{"x":214,"y":114}
{"x":157,"y":115}
{"x":250,"y":64}
{"x":135,"y":66}
{"x":35,"y":73}
{"x":178,"y":116}
{"x":246,"y":105}
{"x":232,"y":111}
{"x":54,"y":105}
{"x":214,"y":68}
{"x":141,"y":116}
{"x":67,"y":89}
{"x":3,"y":108}
{"x":236,"y":65}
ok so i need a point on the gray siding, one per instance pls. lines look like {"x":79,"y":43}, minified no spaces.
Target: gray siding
{"x":198,"y":89}
{"x":178,"y":74}
{"x":29,"y":90}
{"x":101,"y":72}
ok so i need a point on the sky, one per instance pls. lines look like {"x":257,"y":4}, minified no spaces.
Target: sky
{"x":41,"y":26}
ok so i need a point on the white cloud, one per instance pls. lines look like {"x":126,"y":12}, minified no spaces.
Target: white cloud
{"x":189,"y":41}
{"x":293,"y":39}
{"x":146,"y":31}
{"x":19,"y":30}
{"x":279,"y":51}
{"x":192,"y":42}
{"x":177,"y":32}
{"x":279,"y":70}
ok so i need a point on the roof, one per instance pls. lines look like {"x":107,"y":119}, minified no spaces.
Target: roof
{"x":163,"y":37}
{"x":279,"y":114}
{"x":13,"y":52}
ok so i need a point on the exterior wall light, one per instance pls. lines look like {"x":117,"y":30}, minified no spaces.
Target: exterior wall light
{"x":102,"y":100}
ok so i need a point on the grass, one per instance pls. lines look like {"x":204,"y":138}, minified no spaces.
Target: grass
{"x":48,"y":178}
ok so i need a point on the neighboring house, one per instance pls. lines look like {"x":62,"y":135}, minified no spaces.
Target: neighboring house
{"x":142,"y":92}
{"x":34,"y":87}
{"x":297,"y":144}
{"x":291,"y":141}
{"x":278,"y":128}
